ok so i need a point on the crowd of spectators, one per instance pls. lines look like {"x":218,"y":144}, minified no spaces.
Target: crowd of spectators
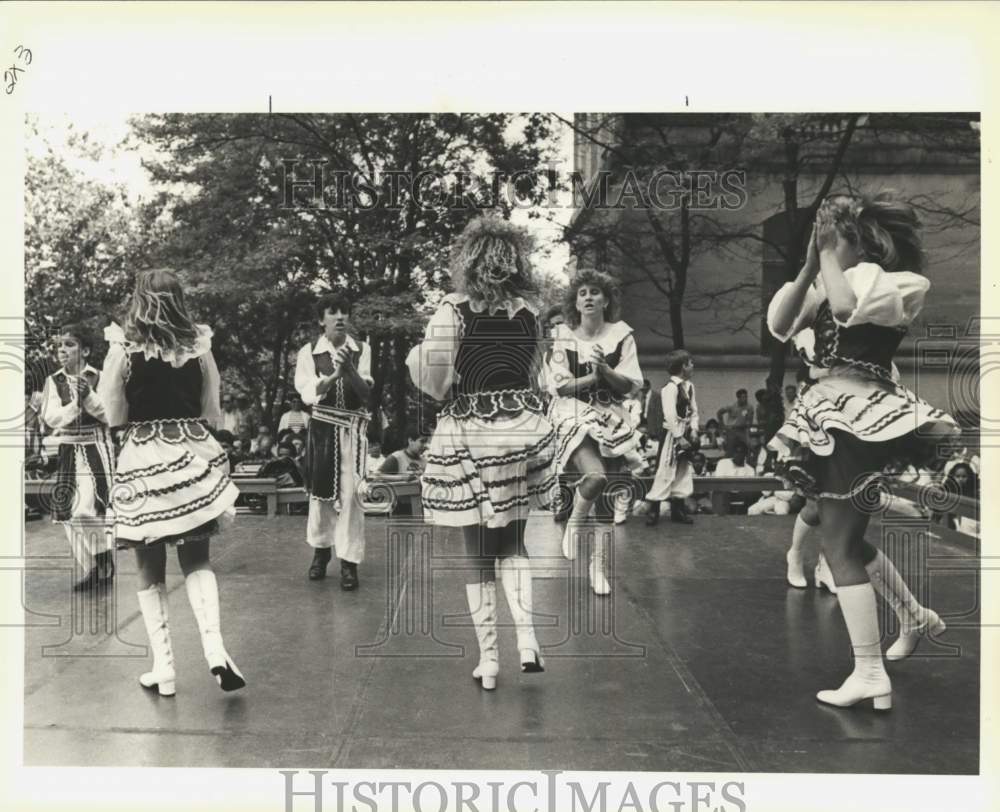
{"x":731,"y":444}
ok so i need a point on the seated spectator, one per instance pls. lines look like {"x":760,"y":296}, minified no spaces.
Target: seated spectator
{"x":961,"y":454}
{"x":225,"y":439}
{"x":699,"y":501}
{"x":375,"y":458}
{"x":262,"y":432}
{"x":239,"y":451}
{"x":735,"y":464}
{"x":710,"y":435}
{"x":756,"y":451}
{"x":409,"y":459}
{"x":777,"y":503}
{"x":294,"y":418}
{"x":264,"y":449}
{"x":963,"y":479}
{"x":284,"y":468}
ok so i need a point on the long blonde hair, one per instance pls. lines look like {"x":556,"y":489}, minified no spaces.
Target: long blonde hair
{"x":158,"y":314}
{"x":883,"y":228}
{"x":490,"y":261}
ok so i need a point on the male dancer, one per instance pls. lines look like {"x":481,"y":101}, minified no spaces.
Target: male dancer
{"x":333,"y":375}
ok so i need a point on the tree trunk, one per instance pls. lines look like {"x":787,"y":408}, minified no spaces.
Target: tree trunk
{"x":790,"y":186}
{"x":676,"y":325}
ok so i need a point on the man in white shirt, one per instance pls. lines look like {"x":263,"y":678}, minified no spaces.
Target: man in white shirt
{"x":333,"y":376}
{"x":673,"y":480}
{"x":294,"y":419}
{"x":736,"y":465}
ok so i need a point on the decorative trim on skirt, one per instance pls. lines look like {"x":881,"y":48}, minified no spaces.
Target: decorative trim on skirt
{"x":172,"y":483}
{"x":844,"y":434}
{"x":575,"y":420}
{"x":488,"y":472}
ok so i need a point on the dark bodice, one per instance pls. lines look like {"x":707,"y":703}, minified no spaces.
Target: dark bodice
{"x":155,"y":390}
{"x":495,"y":352}
{"x":600,"y":393}
{"x":868,"y":346}
{"x":340,"y":395}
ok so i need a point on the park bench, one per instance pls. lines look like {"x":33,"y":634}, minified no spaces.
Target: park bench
{"x":410,"y":492}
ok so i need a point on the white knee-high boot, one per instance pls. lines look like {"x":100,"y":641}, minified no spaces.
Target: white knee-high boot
{"x":153,"y":605}
{"x":795,"y":574}
{"x":915,"y":620}
{"x":482,"y":598}
{"x":515,"y":573}
{"x":575,"y":525}
{"x":869,"y":679}
{"x":203,"y":593}
{"x":599,"y":561}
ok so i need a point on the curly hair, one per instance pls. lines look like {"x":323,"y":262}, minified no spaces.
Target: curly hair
{"x":158,"y":314}
{"x":607,"y":284}
{"x":81,"y":332}
{"x":883,"y":228}
{"x":490,"y":261}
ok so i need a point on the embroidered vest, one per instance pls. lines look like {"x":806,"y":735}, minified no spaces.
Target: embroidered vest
{"x":85,"y":419}
{"x":595,"y":394}
{"x":340,"y":395}
{"x":868,"y":346}
{"x":683,"y":402}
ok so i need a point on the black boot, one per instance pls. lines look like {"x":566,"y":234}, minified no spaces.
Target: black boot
{"x":88,"y":582}
{"x":105,"y":565}
{"x":654,"y":514}
{"x":317,"y":570}
{"x":678,"y":512}
{"x":348,"y":575}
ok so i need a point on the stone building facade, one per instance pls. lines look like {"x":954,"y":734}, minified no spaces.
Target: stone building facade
{"x":736,"y":262}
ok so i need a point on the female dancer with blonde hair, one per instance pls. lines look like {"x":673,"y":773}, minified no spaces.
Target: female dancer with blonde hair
{"x":161,"y":385}
{"x":858,"y":291}
{"x":490,"y":458}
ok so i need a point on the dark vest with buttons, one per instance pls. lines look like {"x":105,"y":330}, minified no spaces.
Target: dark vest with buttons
{"x":85,"y":419}
{"x":495,"y":352}
{"x":868,"y":346}
{"x":156,"y":390}
{"x":338,"y":396}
